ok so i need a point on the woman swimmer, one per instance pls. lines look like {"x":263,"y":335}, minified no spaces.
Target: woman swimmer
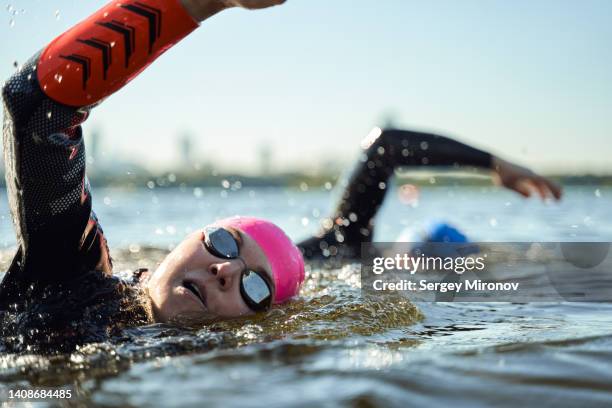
{"x":59,"y":290}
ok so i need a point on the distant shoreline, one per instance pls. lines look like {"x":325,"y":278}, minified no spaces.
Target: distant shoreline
{"x":306,"y":181}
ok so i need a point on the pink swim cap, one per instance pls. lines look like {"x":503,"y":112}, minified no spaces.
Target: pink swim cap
{"x":284,"y":257}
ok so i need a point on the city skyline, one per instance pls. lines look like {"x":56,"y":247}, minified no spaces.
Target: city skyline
{"x":529,"y":81}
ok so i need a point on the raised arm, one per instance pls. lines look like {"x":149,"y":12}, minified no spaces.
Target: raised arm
{"x":352,"y":222}
{"x":45,"y":103}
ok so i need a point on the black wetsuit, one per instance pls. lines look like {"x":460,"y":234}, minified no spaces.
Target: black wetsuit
{"x":62,"y":267}
{"x":58,"y":291}
{"x":352,"y":222}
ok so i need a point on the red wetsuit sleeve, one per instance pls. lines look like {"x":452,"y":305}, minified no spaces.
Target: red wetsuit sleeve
{"x":107,"y":50}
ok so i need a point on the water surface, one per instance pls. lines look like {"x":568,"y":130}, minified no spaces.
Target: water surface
{"x":332,"y":346}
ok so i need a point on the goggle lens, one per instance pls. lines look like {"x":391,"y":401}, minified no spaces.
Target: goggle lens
{"x":221,"y":243}
{"x":255,"y":287}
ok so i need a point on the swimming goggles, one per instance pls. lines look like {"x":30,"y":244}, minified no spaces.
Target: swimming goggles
{"x":254,"y":288}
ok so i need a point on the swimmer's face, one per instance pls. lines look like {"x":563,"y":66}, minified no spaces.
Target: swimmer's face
{"x":191,"y":268}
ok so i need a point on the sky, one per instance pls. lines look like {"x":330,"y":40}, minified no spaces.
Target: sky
{"x":528,"y":80}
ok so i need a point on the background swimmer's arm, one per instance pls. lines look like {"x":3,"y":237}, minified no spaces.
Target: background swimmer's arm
{"x":353,"y":220}
{"x":383,"y":151}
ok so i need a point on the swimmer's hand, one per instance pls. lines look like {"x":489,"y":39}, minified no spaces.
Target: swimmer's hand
{"x":252,"y":4}
{"x":200,"y":10}
{"x":523,"y":180}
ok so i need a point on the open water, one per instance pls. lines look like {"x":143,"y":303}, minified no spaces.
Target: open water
{"x":332,"y":346}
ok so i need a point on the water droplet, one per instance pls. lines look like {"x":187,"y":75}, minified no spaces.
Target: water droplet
{"x":57,"y":14}
{"x":305,"y":221}
{"x":597,"y":193}
{"x":107,"y":201}
{"x":151,"y":184}
{"x":49,"y":114}
{"x":58,"y":78}
{"x":225,"y":183}
{"x":493,"y":222}
{"x":382,"y":185}
{"x":112,"y":44}
{"x":303,"y":186}
{"x":327,"y":224}
{"x":198,"y":192}
{"x":12,"y":23}
{"x":424,"y":145}
{"x":328,"y":185}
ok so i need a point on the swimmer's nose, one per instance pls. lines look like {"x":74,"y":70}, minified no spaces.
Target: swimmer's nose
{"x":227,"y":272}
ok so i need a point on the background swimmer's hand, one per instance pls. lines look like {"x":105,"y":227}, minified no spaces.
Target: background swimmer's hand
{"x":200,"y":10}
{"x":523,"y":180}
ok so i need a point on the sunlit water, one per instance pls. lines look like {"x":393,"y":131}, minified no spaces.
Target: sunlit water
{"x":331,"y":346}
